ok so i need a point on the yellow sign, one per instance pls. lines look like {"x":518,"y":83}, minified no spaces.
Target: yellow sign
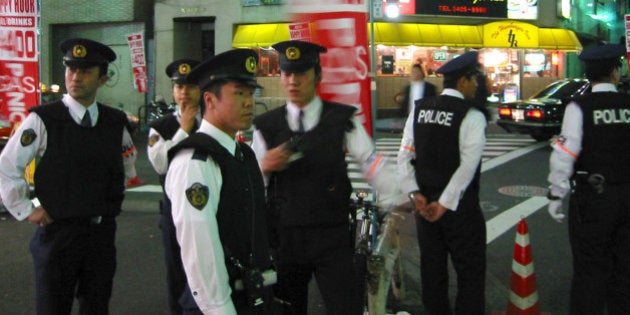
{"x":510,"y":34}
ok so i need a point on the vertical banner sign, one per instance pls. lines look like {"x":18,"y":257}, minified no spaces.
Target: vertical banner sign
{"x":340,"y":26}
{"x":19,"y":67}
{"x":627,"y":19}
{"x":300,"y":31}
{"x":138,"y":63}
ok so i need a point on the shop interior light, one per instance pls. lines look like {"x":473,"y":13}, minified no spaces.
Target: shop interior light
{"x":392,"y":10}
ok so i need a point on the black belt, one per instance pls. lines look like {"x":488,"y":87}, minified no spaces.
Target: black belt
{"x":86,"y":221}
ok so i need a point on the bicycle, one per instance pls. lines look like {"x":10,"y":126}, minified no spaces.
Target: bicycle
{"x":377,"y":253}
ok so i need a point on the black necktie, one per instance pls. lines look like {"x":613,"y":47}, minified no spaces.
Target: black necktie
{"x":238,"y":154}
{"x":301,"y":122}
{"x":87,"y":120}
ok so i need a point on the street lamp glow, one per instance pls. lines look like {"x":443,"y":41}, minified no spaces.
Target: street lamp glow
{"x":392,"y":10}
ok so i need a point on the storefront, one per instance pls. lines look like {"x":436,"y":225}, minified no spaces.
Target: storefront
{"x":519,"y":58}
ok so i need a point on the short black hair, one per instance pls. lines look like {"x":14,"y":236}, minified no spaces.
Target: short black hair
{"x":600,"y":70}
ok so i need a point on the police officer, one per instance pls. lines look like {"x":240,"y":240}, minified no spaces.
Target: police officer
{"x":165,"y":133}
{"x":301,"y":148}
{"x":84,"y":154}
{"x":217,"y":195}
{"x":439,"y":165}
{"x":591,"y":159}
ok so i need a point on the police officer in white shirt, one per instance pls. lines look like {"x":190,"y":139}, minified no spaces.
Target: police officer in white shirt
{"x":217,"y":196}
{"x":165,"y":133}
{"x":84,"y":155}
{"x":439,"y":166}
{"x":591,"y":159}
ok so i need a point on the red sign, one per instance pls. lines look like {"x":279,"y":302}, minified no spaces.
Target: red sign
{"x":345,"y":67}
{"x":19,"y":67}
{"x":300,"y":31}
{"x":138,"y":63}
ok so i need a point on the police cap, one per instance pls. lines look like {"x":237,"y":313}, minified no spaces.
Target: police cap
{"x":298,"y":56}
{"x":603,"y":52}
{"x":234,"y":65}
{"x":178,"y":70}
{"x":459,"y":66}
{"x":85,"y":53}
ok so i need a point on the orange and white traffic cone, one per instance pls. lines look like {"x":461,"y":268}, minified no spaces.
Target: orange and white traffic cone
{"x":523,"y":296}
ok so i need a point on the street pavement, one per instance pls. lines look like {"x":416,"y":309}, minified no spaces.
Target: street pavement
{"x":139,"y":284}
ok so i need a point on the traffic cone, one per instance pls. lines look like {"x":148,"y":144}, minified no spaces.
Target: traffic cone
{"x":523,"y":296}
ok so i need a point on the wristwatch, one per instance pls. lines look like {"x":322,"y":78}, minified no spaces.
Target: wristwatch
{"x":552,"y":197}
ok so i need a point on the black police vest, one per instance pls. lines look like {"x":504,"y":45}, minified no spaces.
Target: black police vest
{"x":81,"y":173}
{"x":242,"y":196}
{"x":315,"y":189}
{"x":436,"y":132}
{"x":606,"y":134}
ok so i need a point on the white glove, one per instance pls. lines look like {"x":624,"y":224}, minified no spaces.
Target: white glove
{"x":555,"y":210}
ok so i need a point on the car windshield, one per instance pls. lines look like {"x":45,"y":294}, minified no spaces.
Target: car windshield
{"x":561,"y":89}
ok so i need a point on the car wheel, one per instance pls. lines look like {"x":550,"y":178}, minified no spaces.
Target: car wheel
{"x":541,"y":138}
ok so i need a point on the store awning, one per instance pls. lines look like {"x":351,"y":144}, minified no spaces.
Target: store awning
{"x":558,"y":38}
{"x":260,"y":35}
{"x":405,"y":34}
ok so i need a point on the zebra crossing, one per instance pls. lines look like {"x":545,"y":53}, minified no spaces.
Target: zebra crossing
{"x":497,"y":145}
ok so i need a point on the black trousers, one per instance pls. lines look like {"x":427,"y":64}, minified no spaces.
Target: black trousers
{"x":240,"y":301}
{"x":326,"y":253}
{"x":74,"y":256}
{"x":176,"y":281}
{"x":462,"y":235}
{"x":599,"y":233}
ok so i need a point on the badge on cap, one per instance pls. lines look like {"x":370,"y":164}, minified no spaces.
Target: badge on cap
{"x":79,"y":51}
{"x":250,"y":64}
{"x":184,"y":69}
{"x":293,"y":53}
{"x":28,"y":136}
{"x":198,"y":195}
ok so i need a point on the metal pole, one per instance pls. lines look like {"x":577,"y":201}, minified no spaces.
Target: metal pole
{"x":373,"y":69}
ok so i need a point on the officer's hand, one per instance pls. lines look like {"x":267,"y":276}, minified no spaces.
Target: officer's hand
{"x":189,"y":114}
{"x":40,"y":217}
{"x":419,"y":203}
{"x":555,"y":210}
{"x":434,"y":211}
{"x":276,"y":159}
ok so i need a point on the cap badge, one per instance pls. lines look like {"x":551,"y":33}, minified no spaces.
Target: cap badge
{"x":293,"y":53}
{"x":250,"y":64}
{"x":197,"y":195}
{"x":184,"y":68}
{"x":79,"y":51}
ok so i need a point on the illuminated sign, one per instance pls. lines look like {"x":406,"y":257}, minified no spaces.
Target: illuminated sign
{"x":512,"y":9}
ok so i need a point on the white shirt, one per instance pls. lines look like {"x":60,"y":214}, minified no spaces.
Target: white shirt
{"x":157,"y":152}
{"x":568,"y":145}
{"x":378,"y":171}
{"x":416,"y":92}
{"x":472,"y":140}
{"x":14,"y":190}
{"x":197,"y":229}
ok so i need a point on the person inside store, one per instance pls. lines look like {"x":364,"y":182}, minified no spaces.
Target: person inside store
{"x":84,"y":154}
{"x":165,"y":133}
{"x":439,"y":167}
{"x":301,"y":147}
{"x":217,"y":196}
{"x":417,"y":89}
{"x":591,"y":161}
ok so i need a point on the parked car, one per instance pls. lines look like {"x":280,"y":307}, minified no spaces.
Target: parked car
{"x":540,"y":116}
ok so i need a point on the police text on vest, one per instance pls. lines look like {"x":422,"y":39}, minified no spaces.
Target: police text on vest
{"x":611,"y":116}
{"x":430,"y":116}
